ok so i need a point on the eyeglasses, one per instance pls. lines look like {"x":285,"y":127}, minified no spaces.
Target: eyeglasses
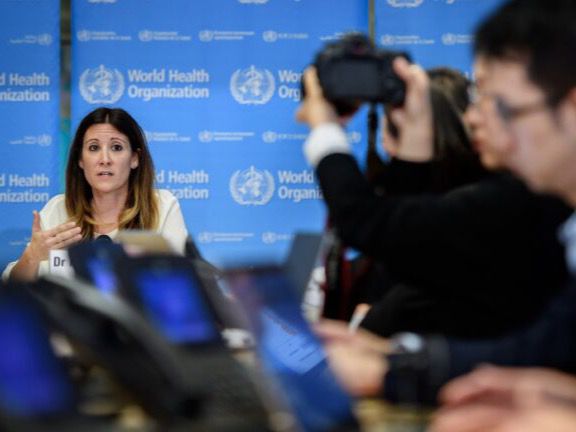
{"x":509,"y":113}
{"x":506,"y":112}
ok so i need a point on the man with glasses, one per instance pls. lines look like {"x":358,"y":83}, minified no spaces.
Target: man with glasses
{"x":526,"y":108}
{"x":459,"y":260}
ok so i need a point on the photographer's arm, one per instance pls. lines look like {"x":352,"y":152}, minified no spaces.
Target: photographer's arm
{"x":326,"y":136}
{"x":400,"y":177}
{"x":413,"y":119}
{"x":365,"y":221}
{"x":411,"y":166}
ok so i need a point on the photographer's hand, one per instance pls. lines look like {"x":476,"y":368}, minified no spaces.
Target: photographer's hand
{"x":327,"y":136}
{"x":414,"y":118}
{"x":315,"y":109}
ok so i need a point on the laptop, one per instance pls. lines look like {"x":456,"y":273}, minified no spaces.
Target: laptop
{"x":99,"y":262}
{"x":306,"y":253}
{"x":167,"y":289}
{"x":289,"y":350}
{"x":95,"y":262}
{"x":36,"y":390}
{"x":110,"y":333}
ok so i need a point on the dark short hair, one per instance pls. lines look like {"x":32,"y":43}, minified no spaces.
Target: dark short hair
{"x":540,"y":33}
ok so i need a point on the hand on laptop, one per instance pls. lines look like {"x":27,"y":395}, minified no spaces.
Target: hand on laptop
{"x":357,"y":358}
{"x":359,"y":370}
{"x":331,"y":331}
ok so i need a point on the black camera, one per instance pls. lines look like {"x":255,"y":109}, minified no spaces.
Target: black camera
{"x":353,"y":70}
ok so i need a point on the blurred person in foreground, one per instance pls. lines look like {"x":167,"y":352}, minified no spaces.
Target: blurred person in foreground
{"x":475,"y":261}
{"x":499,"y":399}
{"x":109,"y":187}
{"x":527,"y":108}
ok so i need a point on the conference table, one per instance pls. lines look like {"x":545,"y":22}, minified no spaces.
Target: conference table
{"x":378,"y":416}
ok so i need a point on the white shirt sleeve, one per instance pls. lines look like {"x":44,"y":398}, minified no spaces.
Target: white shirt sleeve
{"x":52,"y":214}
{"x":8,"y":270}
{"x":172,"y":225}
{"x":325,"y":139}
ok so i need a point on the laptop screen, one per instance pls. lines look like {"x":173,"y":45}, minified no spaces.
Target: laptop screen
{"x":306,"y":253}
{"x":96,"y":261}
{"x":172,"y":300}
{"x":290,"y":351}
{"x":102,"y":275}
{"x":32,"y":380}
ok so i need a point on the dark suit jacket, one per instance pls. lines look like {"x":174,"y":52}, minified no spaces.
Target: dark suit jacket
{"x":550,"y":342}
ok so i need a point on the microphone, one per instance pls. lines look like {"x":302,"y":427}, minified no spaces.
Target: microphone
{"x":191,"y":250}
{"x":103,"y":238}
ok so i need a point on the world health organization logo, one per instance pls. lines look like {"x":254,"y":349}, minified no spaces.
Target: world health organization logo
{"x":270,"y":36}
{"x":101,"y":85}
{"x":252,"y":186}
{"x":205,"y":237}
{"x":205,"y":136}
{"x":206,"y":36}
{"x":269,"y":136}
{"x":405,"y":3}
{"x":44,"y":140}
{"x":252,"y":86}
{"x":145,"y":35}
{"x":83,"y":35}
{"x":45,"y":39}
{"x":387,"y":39}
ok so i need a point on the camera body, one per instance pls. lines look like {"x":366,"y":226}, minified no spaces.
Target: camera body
{"x":353,"y":70}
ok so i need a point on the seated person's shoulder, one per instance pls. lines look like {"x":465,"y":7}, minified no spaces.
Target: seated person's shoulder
{"x":165,"y":196}
{"x":497,"y":187}
{"x":54,"y":212}
{"x":55,"y":202}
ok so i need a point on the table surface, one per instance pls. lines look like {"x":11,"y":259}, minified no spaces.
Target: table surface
{"x":378,"y":416}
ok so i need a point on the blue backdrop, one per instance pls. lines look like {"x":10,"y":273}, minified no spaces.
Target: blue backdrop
{"x":29,"y":108}
{"x":215,"y":85}
{"x":435,"y":32}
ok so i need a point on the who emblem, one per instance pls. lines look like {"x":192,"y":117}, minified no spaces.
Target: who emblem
{"x":205,"y":136}
{"x":449,"y":39}
{"x":269,"y":137}
{"x":101,"y":85}
{"x":145,"y":35}
{"x":269,"y":237}
{"x":270,"y":36}
{"x":45,"y":39}
{"x":252,"y":186}
{"x":206,"y":36}
{"x":252,"y":86}
{"x":205,"y":237}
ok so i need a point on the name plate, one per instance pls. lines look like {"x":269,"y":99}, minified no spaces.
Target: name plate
{"x":60,"y":263}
